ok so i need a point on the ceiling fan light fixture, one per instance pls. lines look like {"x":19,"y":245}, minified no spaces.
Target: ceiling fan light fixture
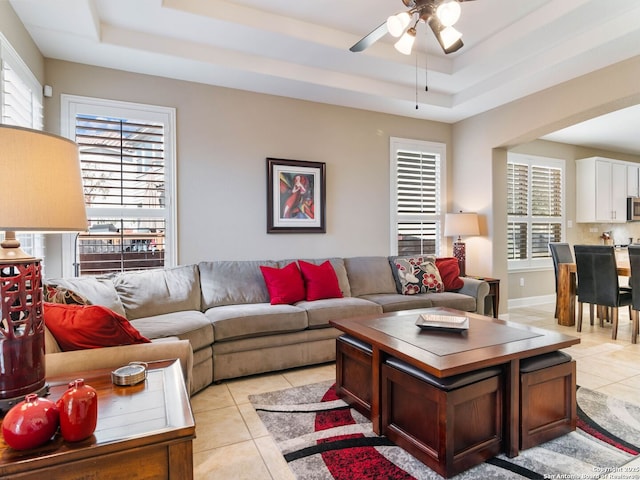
{"x":448,"y":12}
{"x":397,"y":24}
{"x":405,"y":44}
{"x":449,"y":36}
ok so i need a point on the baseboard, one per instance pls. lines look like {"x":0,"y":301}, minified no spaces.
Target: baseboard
{"x":531,"y":301}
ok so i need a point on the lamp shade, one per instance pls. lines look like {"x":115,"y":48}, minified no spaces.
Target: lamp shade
{"x":448,"y":12}
{"x":40,"y":182}
{"x":396,"y":24}
{"x":405,"y":44}
{"x":459,"y":224}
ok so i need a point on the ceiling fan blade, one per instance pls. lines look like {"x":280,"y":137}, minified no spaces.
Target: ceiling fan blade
{"x":370,"y":39}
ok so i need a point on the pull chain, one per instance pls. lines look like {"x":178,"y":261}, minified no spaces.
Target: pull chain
{"x":426,"y":71}
{"x":416,"y":79}
{"x":426,"y":64}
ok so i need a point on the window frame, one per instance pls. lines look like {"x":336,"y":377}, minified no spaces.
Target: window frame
{"x":72,"y":105}
{"x":546,"y":162}
{"x":438,"y":150}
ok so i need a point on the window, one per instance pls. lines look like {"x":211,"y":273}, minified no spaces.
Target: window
{"x":20,"y":105}
{"x":417,"y":190}
{"x":127,"y":160}
{"x":535,"y":209}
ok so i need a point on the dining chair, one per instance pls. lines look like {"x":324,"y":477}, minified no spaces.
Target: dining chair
{"x":598,"y":280}
{"x":634,"y":283}
{"x":560,"y":253}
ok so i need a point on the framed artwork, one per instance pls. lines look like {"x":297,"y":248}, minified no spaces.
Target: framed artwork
{"x":295,"y":196}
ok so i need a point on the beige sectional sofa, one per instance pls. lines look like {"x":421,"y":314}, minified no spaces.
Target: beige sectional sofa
{"x":216,"y":316}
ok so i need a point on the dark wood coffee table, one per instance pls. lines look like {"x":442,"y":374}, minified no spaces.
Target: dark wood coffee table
{"x":144,"y":431}
{"x":488,"y":342}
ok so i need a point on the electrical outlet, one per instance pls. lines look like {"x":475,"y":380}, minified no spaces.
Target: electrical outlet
{"x":521,"y":282}
{"x":569,"y":224}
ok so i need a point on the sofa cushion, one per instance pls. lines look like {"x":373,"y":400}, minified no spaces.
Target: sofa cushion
{"x":394,"y":302}
{"x":455,"y":300}
{"x":368,"y":275}
{"x":285,"y":285}
{"x":418,"y":275}
{"x":449,"y":269}
{"x":147,"y":293}
{"x":319,"y":312}
{"x":186,"y":325}
{"x":231,"y":322}
{"x":98,"y":290}
{"x":50,"y":342}
{"x":320,"y":281}
{"x":235,"y":282}
{"x":89,"y":326}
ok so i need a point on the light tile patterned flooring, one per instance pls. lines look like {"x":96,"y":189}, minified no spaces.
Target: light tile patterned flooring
{"x":232,"y":442}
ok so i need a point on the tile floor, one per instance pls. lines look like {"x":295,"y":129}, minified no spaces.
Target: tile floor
{"x":232,"y":442}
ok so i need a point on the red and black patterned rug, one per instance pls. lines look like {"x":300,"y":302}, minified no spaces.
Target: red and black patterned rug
{"x":322,"y":438}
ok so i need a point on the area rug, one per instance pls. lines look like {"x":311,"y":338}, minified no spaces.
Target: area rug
{"x":321,"y":438}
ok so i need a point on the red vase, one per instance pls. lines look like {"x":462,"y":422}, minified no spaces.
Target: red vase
{"x":30,"y":423}
{"x":78,"y":411}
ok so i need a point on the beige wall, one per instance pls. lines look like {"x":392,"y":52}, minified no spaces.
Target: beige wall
{"x":480,"y":145}
{"x":13,"y":30}
{"x":223,"y":139}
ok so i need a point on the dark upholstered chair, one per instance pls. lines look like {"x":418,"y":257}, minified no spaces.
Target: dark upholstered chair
{"x":634,"y":283}
{"x":598,"y":280}
{"x":560,"y":253}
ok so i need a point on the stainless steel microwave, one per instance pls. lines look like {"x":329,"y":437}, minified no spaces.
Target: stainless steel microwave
{"x":633,"y":209}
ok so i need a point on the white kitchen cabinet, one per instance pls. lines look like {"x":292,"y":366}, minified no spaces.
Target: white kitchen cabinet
{"x":601,"y":190}
{"x":633,"y":178}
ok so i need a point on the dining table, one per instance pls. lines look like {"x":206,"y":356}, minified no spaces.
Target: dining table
{"x":567,"y":289}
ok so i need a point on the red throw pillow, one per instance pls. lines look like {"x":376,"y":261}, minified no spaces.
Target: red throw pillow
{"x":449,"y":269}
{"x":320,"y":281}
{"x":76,"y":327}
{"x":285,"y":284}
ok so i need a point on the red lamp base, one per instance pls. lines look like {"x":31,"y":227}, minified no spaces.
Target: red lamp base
{"x":22,"y":368}
{"x":459,"y":251}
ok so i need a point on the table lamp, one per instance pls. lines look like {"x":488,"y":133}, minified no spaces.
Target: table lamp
{"x":40,"y":190}
{"x":458,"y":224}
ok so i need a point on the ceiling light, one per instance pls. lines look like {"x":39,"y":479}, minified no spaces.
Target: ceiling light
{"x":396,"y":24}
{"x":449,"y":36}
{"x":405,"y":43}
{"x":448,"y":12}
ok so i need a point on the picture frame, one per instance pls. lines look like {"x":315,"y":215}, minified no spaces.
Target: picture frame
{"x":296,"y":191}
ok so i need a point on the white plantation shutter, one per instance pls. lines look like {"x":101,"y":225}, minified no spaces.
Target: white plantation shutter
{"x":546,"y":209}
{"x":518,"y":210}
{"x":20,"y":105}
{"x":417,"y":192}
{"x":122,"y":162}
{"x":126,"y":157}
{"x":535,"y":208}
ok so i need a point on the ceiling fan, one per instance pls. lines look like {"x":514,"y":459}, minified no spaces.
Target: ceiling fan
{"x":440,"y":15}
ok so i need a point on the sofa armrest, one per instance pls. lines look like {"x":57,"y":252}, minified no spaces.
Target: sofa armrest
{"x":479,"y":289}
{"x":61,"y":363}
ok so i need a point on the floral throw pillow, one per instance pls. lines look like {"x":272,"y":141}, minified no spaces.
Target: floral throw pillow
{"x":418,"y":275}
{"x":56,"y":294}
